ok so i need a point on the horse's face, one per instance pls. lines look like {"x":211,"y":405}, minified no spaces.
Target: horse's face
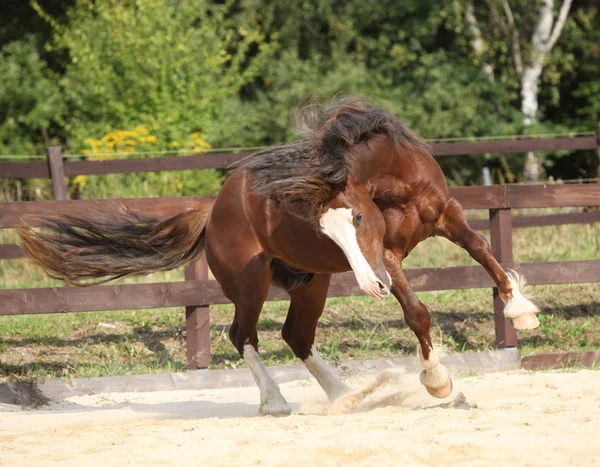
{"x":355,"y":223}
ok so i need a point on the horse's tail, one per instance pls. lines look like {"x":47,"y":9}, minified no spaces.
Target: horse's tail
{"x":77,"y":248}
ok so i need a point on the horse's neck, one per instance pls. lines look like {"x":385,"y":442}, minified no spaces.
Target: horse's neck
{"x":378,"y":162}
{"x":398,"y":174}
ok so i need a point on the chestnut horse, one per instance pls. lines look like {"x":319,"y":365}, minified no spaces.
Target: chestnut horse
{"x":329,"y":225}
{"x":278,"y":219}
{"x":410,"y":189}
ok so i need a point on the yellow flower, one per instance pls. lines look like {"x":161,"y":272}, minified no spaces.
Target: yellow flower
{"x":175,"y":144}
{"x":79,"y":181}
{"x":142,"y":129}
{"x":121,"y":141}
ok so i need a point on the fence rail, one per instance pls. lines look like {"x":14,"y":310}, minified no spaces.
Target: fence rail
{"x":225,"y":160}
{"x":197,"y":293}
{"x":203,"y":293}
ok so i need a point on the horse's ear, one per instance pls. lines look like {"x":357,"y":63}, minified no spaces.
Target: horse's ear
{"x":371,"y":192}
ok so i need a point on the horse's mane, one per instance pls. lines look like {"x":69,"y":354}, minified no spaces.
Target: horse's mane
{"x":305,"y":175}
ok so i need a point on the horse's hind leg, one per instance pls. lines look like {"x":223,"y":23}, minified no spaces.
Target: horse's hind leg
{"x":453,"y":225}
{"x":306,"y":307}
{"x":435,"y":376}
{"x":248,"y":291}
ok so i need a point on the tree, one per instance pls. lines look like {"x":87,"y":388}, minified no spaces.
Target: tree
{"x":170,"y":65}
{"x":30,"y":99}
{"x":235,"y":69}
{"x":411,"y":57}
{"x":529,"y":56}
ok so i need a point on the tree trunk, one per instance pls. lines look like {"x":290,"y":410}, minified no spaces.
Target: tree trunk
{"x":529,"y":92}
{"x":544,"y":37}
{"x":529,"y":82}
{"x":477,"y":44}
{"x":533,"y":170}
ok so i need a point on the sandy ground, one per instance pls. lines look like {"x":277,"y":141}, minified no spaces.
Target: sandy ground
{"x":508,"y":419}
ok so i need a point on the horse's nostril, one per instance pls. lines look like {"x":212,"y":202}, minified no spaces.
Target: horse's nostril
{"x":383,"y":289}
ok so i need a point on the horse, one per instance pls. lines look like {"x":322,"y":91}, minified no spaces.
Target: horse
{"x":410,"y":189}
{"x":348,"y":144}
{"x":327,"y":224}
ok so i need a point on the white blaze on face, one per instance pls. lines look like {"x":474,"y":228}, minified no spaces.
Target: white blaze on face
{"x":338,"y":225}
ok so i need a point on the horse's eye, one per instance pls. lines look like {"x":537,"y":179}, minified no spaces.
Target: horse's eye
{"x":358,"y":219}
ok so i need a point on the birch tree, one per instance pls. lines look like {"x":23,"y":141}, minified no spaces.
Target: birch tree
{"x":528,"y":55}
{"x":546,"y":33}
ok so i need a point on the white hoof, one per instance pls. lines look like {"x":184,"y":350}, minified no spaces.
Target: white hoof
{"x":437,"y":381}
{"x":441,"y":393}
{"x":526,"y":321}
{"x":519,"y":309}
{"x":277,"y":407}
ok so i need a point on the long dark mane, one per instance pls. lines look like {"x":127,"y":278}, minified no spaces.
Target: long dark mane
{"x":305,"y":175}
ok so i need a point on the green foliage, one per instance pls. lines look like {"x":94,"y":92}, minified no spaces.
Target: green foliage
{"x":167,"y":64}
{"x":235,"y":69}
{"x":586,"y":39}
{"x":410,"y":58}
{"x":30,"y":99}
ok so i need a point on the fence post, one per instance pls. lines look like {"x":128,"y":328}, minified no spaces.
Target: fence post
{"x":57,"y":173}
{"x":197,"y":321}
{"x":501,"y":236}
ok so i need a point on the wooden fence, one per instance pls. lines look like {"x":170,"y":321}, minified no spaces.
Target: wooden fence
{"x":197,"y":293}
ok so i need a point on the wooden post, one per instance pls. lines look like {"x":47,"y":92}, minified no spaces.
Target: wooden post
{"x":57,"y":173}
{"x":197,"y":321}
{"x":501,"y":236}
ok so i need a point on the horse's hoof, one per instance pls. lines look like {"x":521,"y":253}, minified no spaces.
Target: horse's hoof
{"x":276,"y":408}
{"x":442,"y":392}
{"x":526,"y":321}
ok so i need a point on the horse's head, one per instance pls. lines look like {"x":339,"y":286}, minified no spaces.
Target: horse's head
{"x":355,"y":223}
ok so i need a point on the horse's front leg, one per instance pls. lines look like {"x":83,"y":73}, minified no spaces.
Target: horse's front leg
{"x":453,"y":225}
{"x":306,"y":306}
{"x":435,"y":376}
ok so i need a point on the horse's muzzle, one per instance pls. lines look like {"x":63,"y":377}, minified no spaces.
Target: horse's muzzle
{"x":383,"y":290}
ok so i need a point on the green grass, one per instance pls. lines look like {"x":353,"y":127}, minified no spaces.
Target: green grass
{"x":153,"y":341}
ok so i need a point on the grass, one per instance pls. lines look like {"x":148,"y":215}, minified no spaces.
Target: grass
{"x":153,"y":341}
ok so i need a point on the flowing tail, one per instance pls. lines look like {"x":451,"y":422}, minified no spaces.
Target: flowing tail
{"x":77,"y":248}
